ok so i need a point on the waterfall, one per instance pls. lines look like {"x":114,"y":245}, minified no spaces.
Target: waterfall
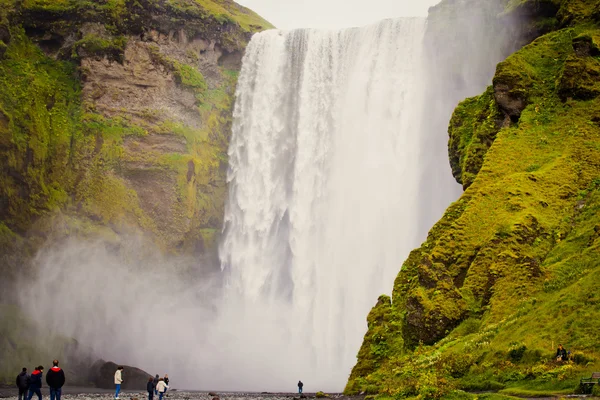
{"x":338,"y":168}
{"x":324,"y":175}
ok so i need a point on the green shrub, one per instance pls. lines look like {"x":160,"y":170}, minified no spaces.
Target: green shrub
{"x":581,"y":359}
{"x":515,"y":354}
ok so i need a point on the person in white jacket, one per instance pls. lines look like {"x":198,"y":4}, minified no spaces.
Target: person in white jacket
{"x":118,"y":381}
{"x":162,"y":388}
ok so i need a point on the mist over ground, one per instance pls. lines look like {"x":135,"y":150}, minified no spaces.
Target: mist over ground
{"x":137,"y":307}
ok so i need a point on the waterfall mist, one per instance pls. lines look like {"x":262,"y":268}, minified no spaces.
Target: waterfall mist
{"x":337,"y":171}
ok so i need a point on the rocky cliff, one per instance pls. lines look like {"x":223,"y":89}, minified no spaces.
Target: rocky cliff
{"x":510,"y":271}
{"x":115,"y":118}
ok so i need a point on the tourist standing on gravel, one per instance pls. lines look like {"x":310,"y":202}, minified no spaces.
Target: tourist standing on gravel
{"x":162,"y":388}
{"x":35,"y":383}
{"x":23,"y":384}
{"x":150,"y":388}
{"x":55,"y":378}
{"x":166,"y":379}
{"x":155,"y":382}
{"x":300,"y":386}
{"x":118,"y":381}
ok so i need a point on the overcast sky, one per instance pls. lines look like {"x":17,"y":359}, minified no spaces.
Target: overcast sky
{"x":334,"y":14}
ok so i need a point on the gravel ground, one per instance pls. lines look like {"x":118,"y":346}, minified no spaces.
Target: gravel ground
{"x":75,"y":393}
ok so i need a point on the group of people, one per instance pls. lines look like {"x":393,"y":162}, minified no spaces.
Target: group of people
{"x":154,"y":386}
{"x":157,"y":386}
{"x":29,"y":385}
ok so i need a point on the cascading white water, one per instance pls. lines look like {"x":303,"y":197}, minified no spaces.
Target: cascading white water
{"x":323,"y":188}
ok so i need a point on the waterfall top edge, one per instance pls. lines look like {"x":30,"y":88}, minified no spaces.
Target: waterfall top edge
{"x":341,"y":30}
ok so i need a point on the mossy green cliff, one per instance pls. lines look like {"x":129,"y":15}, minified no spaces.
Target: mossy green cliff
{"x":511,"y":269}
{"x":115,"y":118}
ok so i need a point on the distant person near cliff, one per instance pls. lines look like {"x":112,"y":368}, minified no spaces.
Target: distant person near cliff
{"x":300,"y":386}
{"x":35,"y":383}
{"x":162,"y":388}
{"x":155,"y":383}
{"x":118,"y":381}
{"x":150,"y":388}
{"x":23,"y":384}
{"x":166,"y":379}
{"x":55,"y":378}
{"x":561,"y":353}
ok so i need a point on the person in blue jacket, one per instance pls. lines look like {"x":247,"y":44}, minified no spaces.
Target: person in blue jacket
{"x":150,"y":388}
{"x":35,"y":383}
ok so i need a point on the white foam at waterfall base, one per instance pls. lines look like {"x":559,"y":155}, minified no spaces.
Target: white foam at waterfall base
{"x":323,"y":190}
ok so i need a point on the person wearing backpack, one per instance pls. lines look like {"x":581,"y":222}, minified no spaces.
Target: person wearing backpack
{"x":23,"y":384}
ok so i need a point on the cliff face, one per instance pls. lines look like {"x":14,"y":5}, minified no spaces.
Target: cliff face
{"x":509,"y":271}
{"x":115,"y":117}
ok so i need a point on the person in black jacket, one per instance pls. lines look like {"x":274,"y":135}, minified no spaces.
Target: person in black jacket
{"x":155,"y":382}
{"x":23,"y":383}
{"x":55,"y":378}
{"x":150,"y":388}
{"x":35,"y":383}
{"x":561,"y":353}
{"x":300,"y":386}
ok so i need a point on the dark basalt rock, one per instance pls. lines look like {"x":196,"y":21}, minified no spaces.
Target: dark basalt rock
{"x":102,"y":374}
{"x":509,"y":102}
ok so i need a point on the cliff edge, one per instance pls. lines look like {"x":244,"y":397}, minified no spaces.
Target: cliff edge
{"x":115,"y":118}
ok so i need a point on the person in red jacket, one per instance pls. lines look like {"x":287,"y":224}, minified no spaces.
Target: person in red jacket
{"x":55,"y":378}
{"x":35,"y":383}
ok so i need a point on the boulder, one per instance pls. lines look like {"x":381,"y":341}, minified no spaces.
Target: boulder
{"x":102,"y":376}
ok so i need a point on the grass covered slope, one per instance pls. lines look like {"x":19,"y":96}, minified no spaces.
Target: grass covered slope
{"x":512,"y":268}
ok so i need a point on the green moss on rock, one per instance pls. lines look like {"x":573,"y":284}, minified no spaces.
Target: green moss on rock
{"x":61,"y":152}
{"x":96,"y":46}
{"x":580,"y":78}
{"x":473,"y":128}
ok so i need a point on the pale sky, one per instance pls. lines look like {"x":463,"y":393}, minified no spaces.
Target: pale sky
{"x":334,"y":14}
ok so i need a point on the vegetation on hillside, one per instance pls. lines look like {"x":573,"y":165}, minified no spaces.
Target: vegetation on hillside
{"x":511,"y":270}
{"x":60,"y":155}
{"x":69,"y":164}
